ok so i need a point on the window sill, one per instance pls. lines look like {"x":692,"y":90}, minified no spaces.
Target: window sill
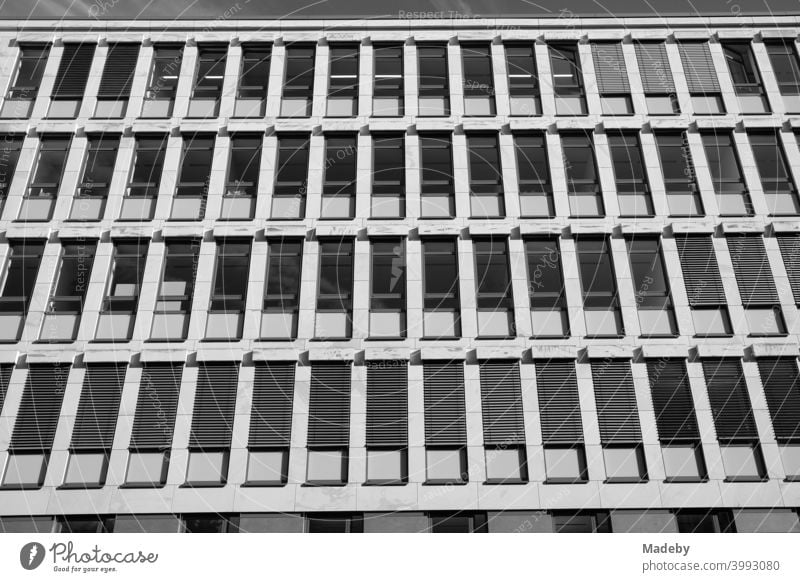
{"x":203,"y":485}
{"x":385,"y":338}
{"x":22,"y":487}
{"x":330,"y":339}
{"x":380,"y":483}
{"x":439,"y":482}
{"x":754,"y":479}
{"x":496,"y":337}
{"x":767,"y":335}
{"x":141,"y":486}
{"x":605,"y":336}
{"x":792,"y":479}
{"x":220,"y":339}
{"x":566,"y":481}
{"x":625,"y":480}
{"x":110,"y":341}
{"x":275,"y":339}
{"x":423,"y":218}
{"x":687,"y":480}
{"x":549,"y":337}
{"x":712,"y":335}
{"x":506,"y":482}
{"x":658,"y":335}
{"x":79,"y":486}
{"x":440,"y":338}
{"x":64,"y":341}
{"x":175,"y":340}
{"x":324,"y":484}
{"x":250,"y":484}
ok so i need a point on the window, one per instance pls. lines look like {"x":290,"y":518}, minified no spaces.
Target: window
{"x":343,"y":85}
{"x":143,"y":523}
{"x":726,"y":171}
{"x":388,"y":176}
{"x":118,"y":313}
{"x":581,"y":522}
{"x":329,"y":424}
{"x":437,"y":197}
{"x":289,"y":195}
{"x":159,"y":97}
{"x":174,"y":301}
{"x":434,"y":90}
{"x":387,"y":422}
{"x":676,"y":421}
{"x":445,"y":423}
{"x":562,"y":426}
{"x":226,"y":311}
{"x":387,"y":90}
{"x":612,"y":78}
{"x":549,"y":314}
{"x":651,"y":288}
{"x":35,"y":426}
{"x":779,"y":188}
{"x":70,"y":81}
{"x":733,"y":419}
{"x":298,"y":83}
{"x":153,"y":424}
{"x":84,"y":524}
{"x":533,"y":176}
{"x":503,"y":422}
{"x":703,"y":286}
{"x":780,"y":379}
{"x":618,"y":418}
{"x":209,"y":523}
{"x":478,"y":79}
{"x":9,"y":156}
{"x":339,"y":185}
{"x":193,"y":181}
{"x":680,"y":178}
{"x":251,"y":95}
{"x":48,"y":170}
{"x":567,"y":79}
{"x":387,"y":316}
{"x":460,"y":522}
{"x":701,"y":78}
{"x":117,"y":79}
{"x":98,"y":170}
{"x":244,"y":164}
{"x":270,"y":424}
{"x":95,"y":424}
{"x":64,"y":309}
{"x":746,"y":78}
{"x":789,"y":246}
{"x":786,"y":67}
{"x":335,"y":291}
{"x":25,"y":82}
{"x":523,"y":80}
{"x":210,"y":74}
{"x":24,"y":259}
{"x":656,"y":76}
{"x":148,"y":164}
{"x":442,"y":311}
{"x":633,"y":191}
{"x":282,"y":294}
{"x":495,"y":301}
{"x":709,"y":521}
{"x":485,"y":177}
{"x":212,"y":424}
{"x":583,"y":183}
{"x":600,"y":300}
{"x":757,"y":289}
{"x":337,"y":522}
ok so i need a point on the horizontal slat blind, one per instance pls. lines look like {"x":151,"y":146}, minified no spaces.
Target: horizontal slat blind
{"x":753,"y":273}
{"x":782,"y":390}
{"x":271,"y":413}
{"x":654,"y":68}
{"x":387,"y":404}
{"x":73,"y":70}
{"x":329,"y":405}
{"x":609,"y":68}
{"x":700,"y":270}
{"x":790,"y":251}
{"x":698,"y":67}
{"x":672,"y":400}
{"x":37,"y":418}
{"x":98,"y":407}
{"x":445,"y":408}
{"x":501,"y":403}
{"x":214,"y":405}
{"x":559,"y":405}
{"x":118,"y":71}
{"x":5,"y":378}
{"x":156,"y":406}
{"x":615,"y":396}
{"x":730,"y":403}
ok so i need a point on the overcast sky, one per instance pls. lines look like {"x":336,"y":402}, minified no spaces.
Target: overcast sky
{"x":247,"y":9}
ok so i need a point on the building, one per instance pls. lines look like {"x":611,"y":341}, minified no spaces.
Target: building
{"x":401,"y":275}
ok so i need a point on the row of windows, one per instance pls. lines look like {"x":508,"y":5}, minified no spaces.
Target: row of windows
{"x":434,"y":76}
{"x":587,"y":521}
{"x":437,"y":175}
{"x":505,"y":434}
{"x":442,"y":303}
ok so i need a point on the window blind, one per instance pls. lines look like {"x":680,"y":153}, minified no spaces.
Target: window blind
{"x":156,"y":406}
{"x":37,"y":418}
{"x":698,"y":67}
{"x":672,"y":400}
{"x":617,"y":412}
{"x":98,"y":407}
{"x":559,"y":405}
{"x":271,"y":412}
{"x":730,"y":403}
{"x":214,"y":405}
{"x":780,"y":379}
{"x":609,"y":68}
{"x":118,"y":71}
{"x":5,"y":378}
{"x":700,"y":271}
{"x":654,"y":68}
{"x":329,"y":405}
{"x":73,"y":70}
{"x":753,"y":273}
{"x":445,"y":409}
{"x":387,"y":404}
{"x":501,"y":403}
{"x":790,"y":251}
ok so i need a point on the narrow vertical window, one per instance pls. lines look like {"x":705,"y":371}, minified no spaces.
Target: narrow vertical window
{"x":335,"y":291}
{"x":523,"y":80}
{"x":567,"y":79}
{"x":746,"y":78}
{"x":387,"y":316}
{"x":226,"y":311}
{"x":343,"y":84}
{"x":612,"y":78}
{"x":117,"y":79}
{"x":148,"y":164}
{"x":387,"y":422}
{"x":701,"y":78}
{"x":779,"y":187}
{"x":282,"y":294}
{"x":174,"y":300}
{"x":726,"y":172}
{"x":298,"y":82}
{"x":118,"y":312}
{"x":191,"y":193}
{"x":786,"y":67}
{"x":680,"y":178}
{"x":10,"y":148}
{"x":633,"y":190}
{"x":600,"y":299}
{"x":533,"y":176}
{"x":583,"y":185}
{"x":251,"y":94}
{"x":98,"y":169}
{"x":48,"y":170}
{"x":495,"y":301}
{"x":781,"y":382}
{"x":790,"y":253}
{"x":339,"y":184}
{"x":442,"y":307}
{"x":651,"y":288}
{"x":549,"y":314}
{"x":485,"y":177}
{"x":244,"y":164}
{"x":25,"y":81}
{"x":388,"y":87}
{"x":656,"y":75}
{"x":209,"y":76}
{"x":71,"y":79}
{"x":445,"y":423}
{"x":162,"y":85}
{"x":434,"y":88}
{"x":329,"y":424}
{"x":291,"y":178}
{"x":64,"y":309}
{"x":437,"y":197}
{"x":478,"y":79}
{"x":703,"y":286}
{"x":503,"y":422}
{"x":25,"y":257}
{"x":388,"y":176}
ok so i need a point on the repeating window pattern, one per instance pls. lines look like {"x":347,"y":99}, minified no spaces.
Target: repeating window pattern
{"x":601,"y":307}
{"x":445,"y":422}
{"x":387,"y":422}
{"x":523,"y":80}
{"x":162,"y":86}
{"x":329,"y":423}
{"x":25,"y":81}
{"x":117,"y":79}
{"x":701,"y":77}
{"x":612,"y":79}
{"x":703,"y":285}
{"x":549,"y":314}
{"x":71,"y":79}
{"x":388,"y":88}
{"x":533,"y":176}
{"x":21,"y":271}
{"x":251,"y":93}
{"x":657,"y":81}
{"x":441,"y":305}
{"x":495,"y":301}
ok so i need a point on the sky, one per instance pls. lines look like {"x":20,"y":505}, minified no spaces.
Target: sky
{"x":269,"y":9}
